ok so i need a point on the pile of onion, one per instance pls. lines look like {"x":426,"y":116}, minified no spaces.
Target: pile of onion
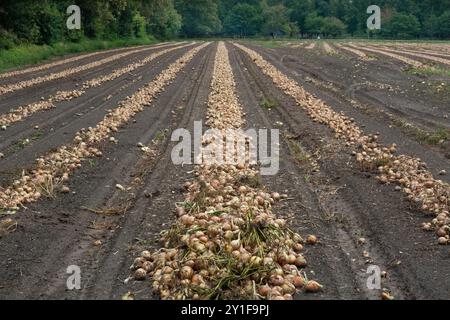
{"x":227,"y":244}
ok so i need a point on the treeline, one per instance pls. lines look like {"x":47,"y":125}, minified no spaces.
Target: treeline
{"x":332,"y":18}
{"x":43,"y":21}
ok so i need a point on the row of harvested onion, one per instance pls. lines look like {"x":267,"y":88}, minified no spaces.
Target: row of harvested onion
{"x":67,"y":72}
{"x":129,"y":68}
{"x":64,"y":61}
{"x":357,"y":52}
{"x":410,"y":174}
{"x":226,"y":242}
{"x":411,"y":62}
{"x":53,"y":170}
{"x":328,"y":48}
{"x":416,"y":54}
{"x":23,"y":112}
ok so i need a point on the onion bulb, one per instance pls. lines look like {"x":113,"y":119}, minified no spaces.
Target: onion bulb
{"x":313,"y":286}
{"x":264,"y":290}
{"x":186,"y":272}
{"x":140,"y":274}
{"x":298,"y":282}
{"x":311,"y":239}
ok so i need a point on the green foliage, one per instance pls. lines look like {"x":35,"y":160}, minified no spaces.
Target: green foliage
{"x":276,"y":20}
{"x":333,"y":27}
{"x":243,"y":19}
{"x":200,"y":17}
{"x":7,"y":40}
{"x":268,"y":103}
{"x":432,"y":26}
{"x":138,"y":25}
{"x":314,"y":24}
{"x":163,"y":20}
{"x":400,"y":18}
{"x":50,"y":22}
{"x":42,"y":22}
{"x":402,"y":26}
{"x":30,"y":53}
{"x":443,"y":25}
{"x":437,"y":137}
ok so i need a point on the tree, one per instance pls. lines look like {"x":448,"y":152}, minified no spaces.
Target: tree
{"x":444,"y":25}
{"x":403,"y":26}
{"x":431,"y":26}
{"x":352,"y":20}
{"x":33,"y":22}
{"x":299,"y":11}
{"x":313,"y":24}
{"x":276,"y":19}
{"x":50,"y":22}
{"x":200,"y":17}
{"x":43,"y":21}
{"x":333,"y":27}
{"x":292,"y":29}
{"x":138,"y":25}
{"x":163,"y":20}
{"x":243,"y":19}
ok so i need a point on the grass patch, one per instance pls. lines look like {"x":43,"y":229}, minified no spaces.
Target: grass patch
{"x":422,"y":136}
{"x":160,"y":136}
{"x":429,"y":71}
{"x":437,"y":137}
{"x":439,"y":87}
{"x":92,"y":163}
{"x":21,"y":144}
{"x":271,"y":43}
{"x":399,"y":123}
{"x":31,"y":54}
{"x":37,"y":135}
{"x":268,"y":103}
{"x":297,"y":152}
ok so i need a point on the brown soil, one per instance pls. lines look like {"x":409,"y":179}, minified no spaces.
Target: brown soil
{"x":328,"y":195}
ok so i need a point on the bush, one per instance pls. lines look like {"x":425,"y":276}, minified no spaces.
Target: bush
{"x":444,"y":24}
{"x":163,"y":22}
{"x":431,"y":26}
{"x":314,"y":24}
{"x":51,"y":24}
{"x":75,"y":36}
{"x":138,"y":25}
{"x":333,"y":27}
{"x":402,"y":26}
{"x":7,"y":40}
